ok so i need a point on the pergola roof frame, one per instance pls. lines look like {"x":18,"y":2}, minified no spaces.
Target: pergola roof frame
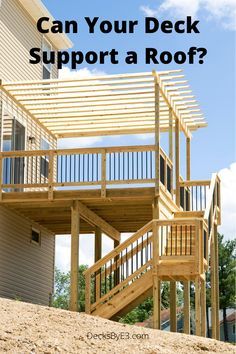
{"x":107,"y":105}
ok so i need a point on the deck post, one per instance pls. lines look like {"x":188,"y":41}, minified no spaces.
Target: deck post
{"x":197,"y":307}
{"x":213,"y":289}
{"x":203,"y":307}
{"x":171,"y":134}
{"x":51,"y":175}
{"x":157,"y":133}
{"x":177,"y":161}
{"x":217,"y":282}
{"x":186,"y":307}
{"x":75,"y":220}
{"x":173,"y":308}
{"x":117,"y":271}
{"x":156,"y":280}
{"x":103,"y":174}
{"x":97,"y":244}
{"x":188,"y":158}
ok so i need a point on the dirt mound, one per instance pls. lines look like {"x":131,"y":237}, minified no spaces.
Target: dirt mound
{"x":27,"y":328}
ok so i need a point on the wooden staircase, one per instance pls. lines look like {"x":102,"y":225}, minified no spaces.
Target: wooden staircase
{"x":123,"y":279}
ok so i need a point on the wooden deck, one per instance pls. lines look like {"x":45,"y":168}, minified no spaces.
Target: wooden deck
{"x":125,"y":209}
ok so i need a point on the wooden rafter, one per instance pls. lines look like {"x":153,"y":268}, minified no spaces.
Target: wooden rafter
{"x":109,"y":104}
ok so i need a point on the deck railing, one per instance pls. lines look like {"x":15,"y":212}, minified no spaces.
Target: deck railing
{"x":194,"y":194}
{"x":50,"y":169}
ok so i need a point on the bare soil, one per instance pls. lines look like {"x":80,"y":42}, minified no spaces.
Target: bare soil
{"x":27,"y":328}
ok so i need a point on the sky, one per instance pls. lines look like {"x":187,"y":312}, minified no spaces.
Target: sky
{"x":213,"y":83}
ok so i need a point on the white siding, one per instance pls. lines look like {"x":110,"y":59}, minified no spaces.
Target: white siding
{"x":26,"y":269}
{"x":18,"y":34}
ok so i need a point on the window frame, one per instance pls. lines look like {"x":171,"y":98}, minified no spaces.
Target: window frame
{"x":32,"y":241}
{"x":47,"y":67}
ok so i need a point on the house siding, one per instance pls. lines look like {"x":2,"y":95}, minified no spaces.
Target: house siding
{"x":18,"y":34}
{"x":26,"y":269}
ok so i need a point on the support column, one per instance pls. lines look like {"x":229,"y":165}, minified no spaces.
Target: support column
{"x":173,"y":307}
{"x":186,"y":307}
{"x":157,"y":134}
{"x":197,"y":307}
{"x":217,"y":282}
{"x":213,"y":289}
{"x":177,"y":160}
{"x":203,"y":308}
{"x":97,"y":244}
{"x":188,"y":163}
{"x":74,"y":257}
{"x":156,"y":280}
{"x":171,"y":154}
{"x":156,"y":302}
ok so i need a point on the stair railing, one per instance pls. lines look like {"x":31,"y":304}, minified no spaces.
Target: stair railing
{"x":118,"y":268}
{"x":178,"y":239}
{"x":212,"y":212}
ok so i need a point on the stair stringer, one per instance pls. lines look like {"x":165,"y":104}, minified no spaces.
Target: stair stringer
{"x":126,"y":299}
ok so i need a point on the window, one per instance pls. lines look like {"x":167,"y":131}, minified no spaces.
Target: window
{"x":44,"y":161}
{"x":47,"y":68}
{"x":35,"y":236}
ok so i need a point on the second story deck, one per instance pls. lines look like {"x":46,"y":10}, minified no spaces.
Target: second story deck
{"x":117,"y":183}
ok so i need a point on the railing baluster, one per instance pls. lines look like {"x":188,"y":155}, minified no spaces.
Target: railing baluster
{"x":127,"y":263}
{"x":123,"y":165}
{"x":142,"y":251}
{"x":176,"y":238}
{"x":190,"y":250}
{"x":110,"y":276}
{"x":181,"y":236}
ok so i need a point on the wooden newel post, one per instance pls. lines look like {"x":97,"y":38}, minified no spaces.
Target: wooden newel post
{"x":87,"y":293}
{"x":156,"y":280}
{"x":75,"y":219}
{"x":50,"y":175}
{"x":103,"y":174}
{"x":117,"y":271}
{"x":177,"y":160}
{"x":157,"y":133}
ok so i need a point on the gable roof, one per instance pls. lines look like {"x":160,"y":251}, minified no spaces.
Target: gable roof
{"x":36,"y":9}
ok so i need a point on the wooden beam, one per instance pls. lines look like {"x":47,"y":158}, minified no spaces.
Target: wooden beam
{"x":197,"y":307}
{"x":186,"y":307}
{"x":157,"y":134}
{"x":173,"y":307}
{"x":156,"y":302}
{"x":188,"y":157}
{"x":217,"y":305}
{"x":116,"y":271}
{"x":156,"y":257}
{"x":170,"y":134}
{"x":97,"y":244}
{"x":203,"y":308}
{"x":213,"y":289}
{"x":95,"y":220}
{"x":177,"y":161}
{"x":74,"y":257}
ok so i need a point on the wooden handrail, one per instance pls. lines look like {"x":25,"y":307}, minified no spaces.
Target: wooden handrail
{"x":195,"y":183}
{"x":95,"y":150}
{"x":210,"y":196}
{"x":148,"y":227}
{"x":116,"y":251}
